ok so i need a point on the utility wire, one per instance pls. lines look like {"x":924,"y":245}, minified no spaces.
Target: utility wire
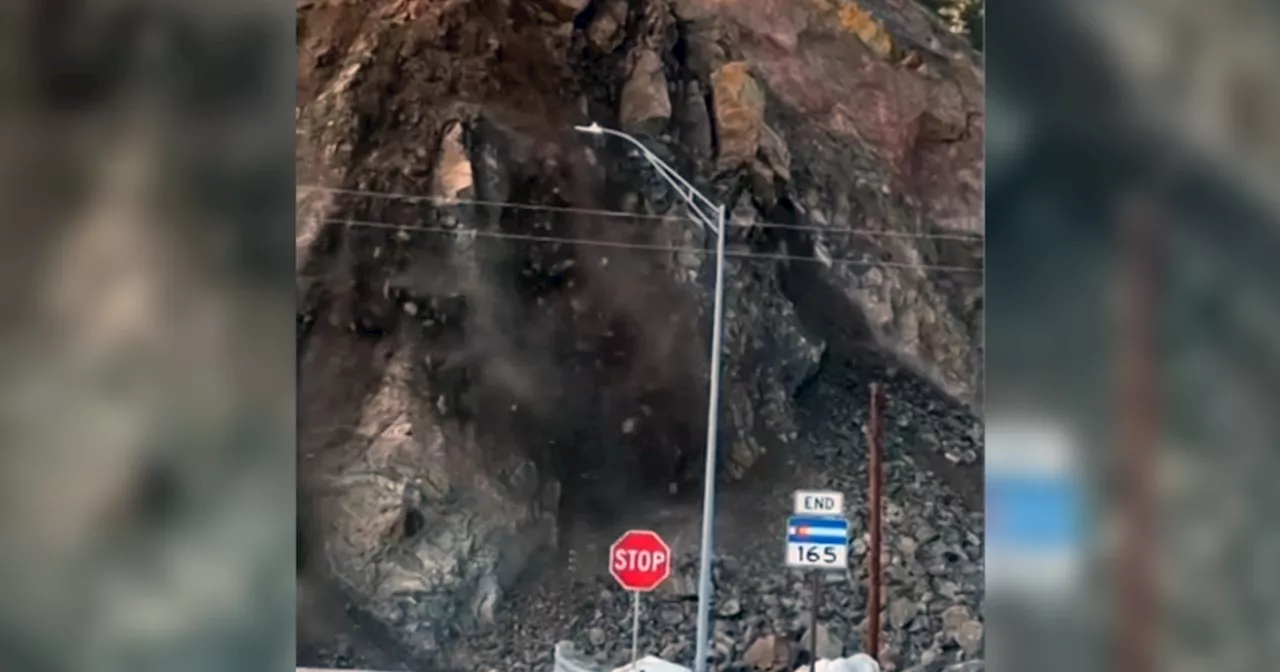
{"x":441,"y":201}
{"x":534,"y":238}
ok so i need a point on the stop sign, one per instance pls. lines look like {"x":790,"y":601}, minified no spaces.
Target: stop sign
{"x":640,"y":560}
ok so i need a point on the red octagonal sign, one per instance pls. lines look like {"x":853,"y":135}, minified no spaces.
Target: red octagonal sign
{"x":640,"y":560}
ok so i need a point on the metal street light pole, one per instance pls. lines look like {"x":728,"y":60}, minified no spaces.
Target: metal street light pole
{"x":712,"y":217}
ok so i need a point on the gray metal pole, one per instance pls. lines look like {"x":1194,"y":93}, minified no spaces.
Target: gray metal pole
{"x":709,"y":479}
{"x":698,"y":203}
{"x":635,"y":629}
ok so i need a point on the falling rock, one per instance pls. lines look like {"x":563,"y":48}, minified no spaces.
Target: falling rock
{"x":769,"y":654}
{"x":739,"y":114}
{"x":645,"y":105}
{"x":454,"y":177}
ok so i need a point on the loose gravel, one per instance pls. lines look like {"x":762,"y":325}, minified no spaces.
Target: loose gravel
{"x":933,"y":554}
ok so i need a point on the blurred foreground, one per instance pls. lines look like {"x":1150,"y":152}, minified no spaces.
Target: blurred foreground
{"x":146,"y":380}
{"x":1131,"y":361}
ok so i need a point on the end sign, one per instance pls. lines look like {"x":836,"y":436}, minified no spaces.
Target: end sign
{"x":819,"y":503}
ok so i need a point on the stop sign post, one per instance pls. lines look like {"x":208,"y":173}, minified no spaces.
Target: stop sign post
{"x":639,"y":561}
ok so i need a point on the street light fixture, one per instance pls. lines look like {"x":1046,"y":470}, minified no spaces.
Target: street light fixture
{"x":710,"y":215}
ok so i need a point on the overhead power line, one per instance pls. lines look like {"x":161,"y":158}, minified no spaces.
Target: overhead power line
{"x":535,"y":238}
{"x":618,"y":214}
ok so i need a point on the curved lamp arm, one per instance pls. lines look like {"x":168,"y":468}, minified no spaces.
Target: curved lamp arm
{"x":706,"y":212}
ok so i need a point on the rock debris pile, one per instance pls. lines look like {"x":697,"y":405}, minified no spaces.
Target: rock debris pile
{"x":933,"y":571}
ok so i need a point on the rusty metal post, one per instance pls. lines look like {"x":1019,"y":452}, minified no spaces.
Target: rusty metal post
{"x":875,"y":438}
{"x":1138,"y":436}
{"x":813,"y":622}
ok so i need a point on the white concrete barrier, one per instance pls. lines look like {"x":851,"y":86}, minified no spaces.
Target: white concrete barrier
{"x":569,"y":659}
{"x":859,"y":662}
{"x":653,"y":664}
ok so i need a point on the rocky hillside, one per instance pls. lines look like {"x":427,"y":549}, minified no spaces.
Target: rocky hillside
{"x":465,"y":380}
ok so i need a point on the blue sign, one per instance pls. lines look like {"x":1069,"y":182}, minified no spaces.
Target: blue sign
{"x":817,"y":530}
{"x":1032,"y":511}
{"x":1036,"y":526}
{"x":818,"y":542}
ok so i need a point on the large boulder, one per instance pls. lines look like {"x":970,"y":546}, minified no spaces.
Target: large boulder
{"x":645,"y":105}
{"x":739,"y":113}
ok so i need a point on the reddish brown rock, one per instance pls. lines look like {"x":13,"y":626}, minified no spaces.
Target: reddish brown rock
{"x":453,"y":173}
{"x":739,"y":114}
{"x":871,"y":32}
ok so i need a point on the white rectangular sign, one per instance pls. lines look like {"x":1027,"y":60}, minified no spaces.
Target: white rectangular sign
{"x":818,"y":503}
{"x":820,"y":542}
{"x":817,"y":557}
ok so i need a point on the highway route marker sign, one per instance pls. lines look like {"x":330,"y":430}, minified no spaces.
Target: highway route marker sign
{"x":639,"y":561}
{"x":817,"y":542}
{"x":817,"y":539}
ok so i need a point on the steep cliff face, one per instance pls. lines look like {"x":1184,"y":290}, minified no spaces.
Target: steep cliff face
{"x":466,"y":374}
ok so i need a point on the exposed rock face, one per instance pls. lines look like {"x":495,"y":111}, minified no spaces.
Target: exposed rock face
{"x":444,"y":566}
{"x":739,"y":106}
{"x":645,"y":105}
{"x":605,"y":30}
{"x":454,"y":380}
{"x":567,"y":10}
